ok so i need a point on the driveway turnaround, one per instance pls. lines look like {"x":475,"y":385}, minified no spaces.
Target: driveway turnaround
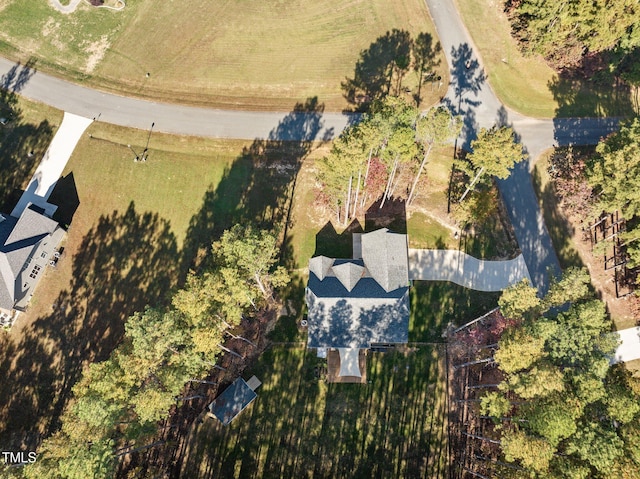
{"x":52,"y":164}
{"x":465,"y":270}
{"x":629,"y":349}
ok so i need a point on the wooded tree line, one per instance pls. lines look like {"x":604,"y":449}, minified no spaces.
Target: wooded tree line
{"x":384,"y":156}
{"x":565,"y":32}
{"x":561,"y":411}
{"x":590,"y":183}
{"x":118,"y":403}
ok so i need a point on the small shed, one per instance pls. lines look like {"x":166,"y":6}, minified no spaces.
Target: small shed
{"x":233,"y":401}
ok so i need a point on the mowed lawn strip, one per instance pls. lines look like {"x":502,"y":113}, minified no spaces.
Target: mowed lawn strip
{"x":299,"y":426}
{"x":245,"y":55}
{"x":526,"y":83}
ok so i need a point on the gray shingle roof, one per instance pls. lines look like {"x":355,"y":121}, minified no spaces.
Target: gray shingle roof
{"x":19,"y":238}
{"x":356,"y":302}
{"x":357,"y":322}
{"x":386,"y":256}
{"x":232,"y":401}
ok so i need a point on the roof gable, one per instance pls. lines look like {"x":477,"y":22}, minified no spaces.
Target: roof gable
{"x":385,"y":255}
{"x":348,"y":274}
{"x":320,"y":266}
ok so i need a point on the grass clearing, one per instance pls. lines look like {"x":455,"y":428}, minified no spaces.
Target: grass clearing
{"x":434,"y":304}
{"x":244,"y":55}
{"x":526,"y":83}
{"x":300,"y":426}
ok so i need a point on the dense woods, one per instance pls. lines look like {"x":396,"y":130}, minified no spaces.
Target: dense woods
{"x":554,"y":406}
{"x":567,"y":33}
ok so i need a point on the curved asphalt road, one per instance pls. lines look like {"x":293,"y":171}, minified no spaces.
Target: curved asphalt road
{"x":169,"y":118}
{"x":469,"y":95}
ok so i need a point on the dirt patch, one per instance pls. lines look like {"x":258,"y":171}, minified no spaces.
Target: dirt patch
{"x":624,"y":311}
{"x":50,"y":27}
{"x":96,"y":51}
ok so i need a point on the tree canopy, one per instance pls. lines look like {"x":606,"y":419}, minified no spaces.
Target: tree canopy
{"x":615,"y":176}
{"x":574,"y":410}
{"x":119,"y":402}
{"x":496,"y":151}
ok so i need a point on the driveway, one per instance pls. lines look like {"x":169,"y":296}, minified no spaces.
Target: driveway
{"x":471,"y":96}
{"x":52,"y":164}
{"x":465,"y":270}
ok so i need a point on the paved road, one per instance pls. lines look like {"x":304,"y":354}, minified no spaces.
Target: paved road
{"x":471,"y":96}
{"x":169,"y":118}
{"x":465,"y":270}
{"x":468,"y":95}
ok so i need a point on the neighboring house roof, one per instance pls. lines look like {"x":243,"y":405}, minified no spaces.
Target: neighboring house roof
{"x":356,"y":302}
{"x":33,"y":236}
{"x":232,"y":401}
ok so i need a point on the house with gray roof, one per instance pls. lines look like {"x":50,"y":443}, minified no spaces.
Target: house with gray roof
{"x":359,"y":302}
{"x":28,"y":244}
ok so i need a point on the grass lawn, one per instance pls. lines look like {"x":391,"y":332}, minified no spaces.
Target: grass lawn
{"x":300,"y":426}
{"x":526,"y":83}
{"x":436,"y":303}
{"x":136,"y":229}
{"x":23,"y":140}
{"x":251,"y":55}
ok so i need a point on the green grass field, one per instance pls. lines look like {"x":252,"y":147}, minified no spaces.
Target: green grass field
{"x":300,"y":426}
{"x":251,"y":55}
{"x":526,"y":83}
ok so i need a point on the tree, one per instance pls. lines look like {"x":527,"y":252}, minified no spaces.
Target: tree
{"x":532,"y":452}
{"x":495,"y":405}
{"x":495,"y":151}
{"x":564,"y":32}
{"x":554,"y":417}
{"x":597,"y":445}
{"x":519,"y":350}
{"x":435,"y":127}
{"x":540,"y":380}
{"x":520,"y":301}
{"x":252,"y":255}
{"x":573,"y":286}
{"x":615,"y":176}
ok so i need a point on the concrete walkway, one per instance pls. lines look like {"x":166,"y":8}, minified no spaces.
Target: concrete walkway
{"x":465,"y":270}
{"x":629,"y":349}
{"x":52,"y":164}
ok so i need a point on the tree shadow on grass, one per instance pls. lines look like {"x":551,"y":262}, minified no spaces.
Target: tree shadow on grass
{"x":126,"y":261}
{"x":436,"y":303}
{"x":22,"y":145}
{"x":379,"y":70}
{"x":390,"y":427}
{"x":258,"y":187}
